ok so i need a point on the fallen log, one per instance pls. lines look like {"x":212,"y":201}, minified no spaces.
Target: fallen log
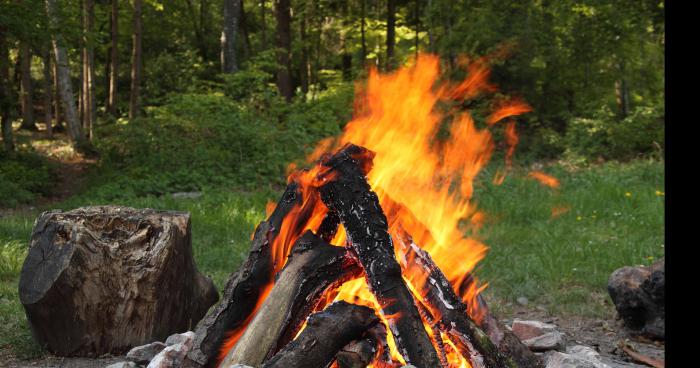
{"x":313,"y":268}
{"x":372,"y":348}
{"x":102,"y":279}
{"x":504,"y":350}
{"x":326,"y":333}
{"x":350,"y":196}
{"x":243,"y":288}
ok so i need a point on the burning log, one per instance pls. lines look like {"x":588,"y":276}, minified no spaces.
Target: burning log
{"x":312,"y":268}
{"x":499,"y":349}
{"x":357,"y":206}
{"x":372,"y":348}
{"x":243,"y":288}
{"x":326,"y":333}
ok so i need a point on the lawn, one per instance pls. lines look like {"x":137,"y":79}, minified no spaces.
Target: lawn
{"x":605,"y":217}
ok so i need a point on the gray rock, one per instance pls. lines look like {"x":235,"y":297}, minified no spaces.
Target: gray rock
{"x":185,"y":339}
{"x":171,"y":357}
{"x":549,"y":341}
{"x":123,"y":365}
{"x":240,"y":366}
{"x":145,"y":353}
{"x":529,"y":329}
{"x":580,"y":358}
{"x":522,"y":301}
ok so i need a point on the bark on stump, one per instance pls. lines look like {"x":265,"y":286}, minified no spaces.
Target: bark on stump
{"x":102,"y":279}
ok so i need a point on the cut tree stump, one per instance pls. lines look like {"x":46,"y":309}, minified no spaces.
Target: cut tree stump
{"x":102,"y":279}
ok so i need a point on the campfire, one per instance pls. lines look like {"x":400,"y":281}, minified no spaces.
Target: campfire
{"x":368,"y":258}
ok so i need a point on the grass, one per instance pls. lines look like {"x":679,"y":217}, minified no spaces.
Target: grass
{"x":560,"y":262}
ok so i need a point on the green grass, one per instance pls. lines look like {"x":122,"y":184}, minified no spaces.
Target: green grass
{"x":561,"y":263}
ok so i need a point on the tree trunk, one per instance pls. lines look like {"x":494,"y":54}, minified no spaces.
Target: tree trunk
{"x":284,"y":45}
{"x":5,"y":92}
{"x":64,"y":83}
{"x":57,"y":99}
{"x":390,"y":33}
{"x":263,"y":25}
{"x":25,"y":56}
{"x":114,"y":59}
{"x":136,"y":67}
{"x":305,"y":67}
{"x":246,"y":34}
{"x":363,"y":53}
{"x":232,"y":13}
{"x":48,"y":93}
{"x":89,"y":103}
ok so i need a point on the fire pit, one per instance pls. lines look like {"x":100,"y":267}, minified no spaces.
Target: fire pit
{"x":364,"y":260}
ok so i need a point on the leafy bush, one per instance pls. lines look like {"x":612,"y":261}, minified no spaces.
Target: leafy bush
{"x":23,"y":176}
{"x":640,"y":133}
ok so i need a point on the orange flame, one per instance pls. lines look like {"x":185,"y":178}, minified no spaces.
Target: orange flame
{"x":544,"y":179}
{"x":424,"y":181}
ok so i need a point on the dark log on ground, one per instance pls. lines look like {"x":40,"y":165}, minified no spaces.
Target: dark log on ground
{"x":639,"y":297}
{"x":357,"y":206}
{"x":448,"y":308}
{"x":242,"y":289}
{"x":313,"y":268}
{"x":326,"y":333}
{"x":102,"y":279}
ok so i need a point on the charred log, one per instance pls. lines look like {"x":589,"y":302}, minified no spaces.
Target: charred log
{"x":312,"y":268}
{"x":372,"y":348}
{"x":326,"y":333}
{"x":243,"y":287}
{"x":357,"y":206}
{"x":501,"y":349}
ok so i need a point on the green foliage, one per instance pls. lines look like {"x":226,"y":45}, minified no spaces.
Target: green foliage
{"x":23,"y":176}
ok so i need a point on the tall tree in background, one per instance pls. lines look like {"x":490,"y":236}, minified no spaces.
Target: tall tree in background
{"x":135,"y":100}
{"x":88,"y":91}
{"x":113,"y":59}
{"x":25,"y":57}
{"x":6,"y":100}
{"x":232,"y":13}
{"x":48,"y":93}
{"x":283,"y":14}
{"x":65,"y":88}
{"x":390,"y":33}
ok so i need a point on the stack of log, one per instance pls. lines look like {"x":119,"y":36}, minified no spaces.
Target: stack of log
{"x":288,"y":319}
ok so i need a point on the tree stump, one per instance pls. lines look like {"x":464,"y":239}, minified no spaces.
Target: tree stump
{"x":102,"y":279}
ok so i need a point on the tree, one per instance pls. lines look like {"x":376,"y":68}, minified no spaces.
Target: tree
{"x":48,"y":94}
{"x":136,"y":67}
{"x":25,"y":56}
{"x":390,"y":33}
{"x":284,"y":48}
{"x":113,"y":59}
{"x":88,"y":91}
{"x":232,"y":13}
{"x":6,"y":100}
{"x":65,"y":87}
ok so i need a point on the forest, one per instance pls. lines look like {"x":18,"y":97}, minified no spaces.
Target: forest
{"x":201,"y":105}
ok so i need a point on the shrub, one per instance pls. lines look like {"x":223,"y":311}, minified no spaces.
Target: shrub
{"x":23,"y":176}
{"x":640,"y":133}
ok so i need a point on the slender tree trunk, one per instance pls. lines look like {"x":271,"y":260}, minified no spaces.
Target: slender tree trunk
{"x":390,"y":33}
{"x":284,"y":45}
{"x":48,"y":93}
{"x":89,"y":103}
{"x":417,"y":11}
{"x":135,"y":100}
{"x":304,"y":51}
{"x":363,"y":36}
{"x":232,"y":13}
{"x":6,"y":100}
{"x":263,"y":25}
{"x":64,"y":83}
{"x":57,"y":98}
{"x":244,"y":30}
{"x":25,"y":56}
{"x":114,"y":59}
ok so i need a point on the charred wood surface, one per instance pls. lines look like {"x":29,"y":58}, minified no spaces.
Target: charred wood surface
{"x":313,"y":267}
{"x":357,"y":206}
{"x":371,"y":348}
{"x":326,"y":333}
{"x":243,"y":287}
{"x":100,"y":280}
{"x":500,"y":349}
